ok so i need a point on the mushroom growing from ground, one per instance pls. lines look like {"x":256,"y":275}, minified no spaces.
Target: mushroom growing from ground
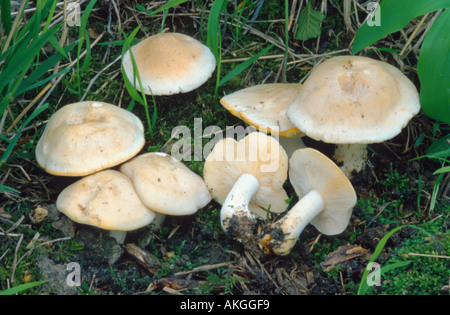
{"x":166,"y":185}
{"x":264,"y":107}
{"x":353,"y":101}
{"x":86,"y":137}
{"x":107,"y":200}
{"x":169,"y":63}
{"x":247,"y":178}
{"x":326,"y":200}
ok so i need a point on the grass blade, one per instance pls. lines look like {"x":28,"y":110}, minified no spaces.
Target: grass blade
{"x":13,"y":142}
{"x":5,"y":7}
{"x":244,"y":65}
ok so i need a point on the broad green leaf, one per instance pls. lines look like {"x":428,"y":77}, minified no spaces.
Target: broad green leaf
{"x":439,"y":149}
{"x":309,"y":23}
{"x":394,"y":16}
{"x":433,"y":69}
{"x":21,"y":288}
{"x":244,"y":65}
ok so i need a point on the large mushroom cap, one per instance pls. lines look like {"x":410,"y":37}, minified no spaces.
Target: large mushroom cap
{"x":166,"y":185}
{"x":86,"y":137}
{"x":311,"y":170}
{"x":170,"y":63}
{"x":353,"y":99}
{"x":258,"y":155}
{"x":264,"y":106}
{"x":107,"y":200}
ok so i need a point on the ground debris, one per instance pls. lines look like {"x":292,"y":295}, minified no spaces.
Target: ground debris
{"x":342,"y":254}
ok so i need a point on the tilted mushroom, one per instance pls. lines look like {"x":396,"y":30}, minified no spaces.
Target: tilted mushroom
{"x":166,"y":185}
{"x":264,"y":107}
{"x":326,"y":200}
{"x":107,"y":200}
{"x":247,"y":178}
{"x":86,"y":137}
{"x":169,"y":63}
{"x":353,"y":101}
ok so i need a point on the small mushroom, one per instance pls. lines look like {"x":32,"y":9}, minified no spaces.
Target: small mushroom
{"x":86,"y":137}
{"x":107,"y":200}
{"x":326,"y":200}
{"x":166,"y":185}
{"x":264,"y":107}
{"x":353,"y":101}
{"x":246,"y":178}
{"x":169,"y":63}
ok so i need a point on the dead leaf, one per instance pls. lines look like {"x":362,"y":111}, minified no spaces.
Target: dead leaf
{"x":342,"y":254}
{"x":39,"y":214}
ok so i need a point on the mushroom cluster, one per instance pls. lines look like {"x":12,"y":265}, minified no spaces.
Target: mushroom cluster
{"x":349,"y":101}
{"x":86,"y":140}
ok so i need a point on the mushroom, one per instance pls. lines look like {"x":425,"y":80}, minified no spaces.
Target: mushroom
{"x":264,"y":107}
{"x":353,"y":101}
{"x":166,"y":185}
{"x":326,"y":201}
{"x":169,"y":63}
{"x":246,"y":178}
{"x":107,"y":200}
{"x":86,"y":137}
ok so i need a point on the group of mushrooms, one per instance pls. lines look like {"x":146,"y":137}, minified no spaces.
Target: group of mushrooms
{"x":350,"y":101}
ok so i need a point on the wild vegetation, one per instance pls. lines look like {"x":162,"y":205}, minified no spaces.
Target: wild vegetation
{"x":49,"y":59}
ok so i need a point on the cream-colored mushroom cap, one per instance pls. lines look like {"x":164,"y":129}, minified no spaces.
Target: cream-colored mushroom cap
{"x":311,"y":170}
{"x":106,"y":199}
{"x":170,"y":63}
{"x":166,"y":185}
{"x":86,"y":137}
{"x":353,"y":99}
{"x":257,"y":154}
{"x":264,"y":106}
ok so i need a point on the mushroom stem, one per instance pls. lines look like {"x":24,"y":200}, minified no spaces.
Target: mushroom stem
{"x":290,"y":145}
{"x":119,"y":236}
{"x":235,"y":215}
{"x":352,"y":156}
{"x":284,"y":232}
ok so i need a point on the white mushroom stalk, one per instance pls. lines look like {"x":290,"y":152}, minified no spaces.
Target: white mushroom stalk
{"x":353,"y":157}
{"x":326,"y":201}
{"x":286,"y":231}
{"x":235,"y":215}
